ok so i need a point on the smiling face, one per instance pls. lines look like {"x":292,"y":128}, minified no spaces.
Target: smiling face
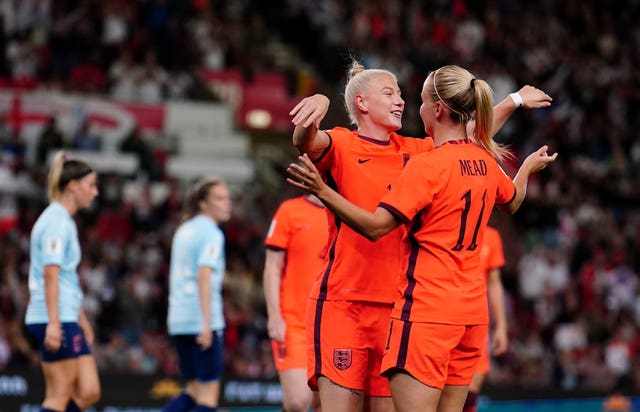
{"x":217,"y":205}
{"x":381,"y":100}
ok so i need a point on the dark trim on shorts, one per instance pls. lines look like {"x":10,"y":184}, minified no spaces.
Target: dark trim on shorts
{"x":317,"y":350}
{"x":404,"y":344}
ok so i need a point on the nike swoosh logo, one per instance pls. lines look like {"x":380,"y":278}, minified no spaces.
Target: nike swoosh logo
{"x":363,"y":160}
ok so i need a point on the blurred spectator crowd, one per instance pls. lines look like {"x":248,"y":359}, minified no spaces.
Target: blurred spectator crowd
{"x":571,"y":278}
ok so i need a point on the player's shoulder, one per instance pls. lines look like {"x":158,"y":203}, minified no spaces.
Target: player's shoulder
{"x":340,"y":134}
{"x":292,"y":204}
{"x":53,"y":216}
{"x":338,"y":130}
{"x":413,"y":144}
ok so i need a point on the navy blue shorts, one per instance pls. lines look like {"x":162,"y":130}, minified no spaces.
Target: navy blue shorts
{"x":198,"y":364}
{"x":73,"y":342}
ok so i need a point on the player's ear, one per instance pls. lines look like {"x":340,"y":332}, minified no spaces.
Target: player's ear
{"x":438,"y":108}
{"x":361,"y":103}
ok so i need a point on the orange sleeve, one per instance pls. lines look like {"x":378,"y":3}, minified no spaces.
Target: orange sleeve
{"x":414,"y":189}
{"x":331,"y":154}
{"x":279,"y":231}
{"x":506,"y":190}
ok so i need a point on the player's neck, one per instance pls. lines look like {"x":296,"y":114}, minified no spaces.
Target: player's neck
{"x":374,"y":132}
{"x":445,"y":134}
{"x":68,"y":203}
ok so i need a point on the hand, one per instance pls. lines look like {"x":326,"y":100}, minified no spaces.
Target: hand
{"x":310,"y":111}
{"x":53,"y":336}
{"x":539,"y":159}
{"x":277,"y":328}
{"x":499,"y":341}
{"x":533,"y":98}
{"x":306,"y":178}
{"x":204,"y":338}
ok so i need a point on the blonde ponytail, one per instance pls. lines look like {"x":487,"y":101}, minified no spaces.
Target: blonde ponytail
{"x":468,"y":98}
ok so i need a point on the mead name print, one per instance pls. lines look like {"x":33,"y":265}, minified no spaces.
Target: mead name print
{"x":473,"y":167}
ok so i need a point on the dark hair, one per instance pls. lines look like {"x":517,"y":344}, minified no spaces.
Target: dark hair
{"x":197,"y":194}
{"x":64,"y":170}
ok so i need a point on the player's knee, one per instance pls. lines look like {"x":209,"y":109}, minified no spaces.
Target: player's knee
{"x":90,"y":396}
{"x":297,"y":403}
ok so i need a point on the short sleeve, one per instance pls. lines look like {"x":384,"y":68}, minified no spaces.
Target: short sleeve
{"x":506,"y":189}
{"x":211,"y":250}
{"x":53,"y":242}
{"x":413,"y":190}
{"x":279,"y":230}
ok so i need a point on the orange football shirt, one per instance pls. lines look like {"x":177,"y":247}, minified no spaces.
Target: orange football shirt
{"x":363,"y":170}
{"x":445,"y":198}
{"x":299,"y":228}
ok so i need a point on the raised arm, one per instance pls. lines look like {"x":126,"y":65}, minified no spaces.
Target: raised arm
{"x":535,"y":162}
{"x":307,"y":115}
{"x":528,"y":97}
{"x":370,"y":225}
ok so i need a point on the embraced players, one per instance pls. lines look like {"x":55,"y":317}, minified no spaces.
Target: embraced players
{"x":350,"y":303}
{"x":444,"y":198}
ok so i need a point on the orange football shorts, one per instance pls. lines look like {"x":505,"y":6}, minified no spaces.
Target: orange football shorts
{"x":433,"y":353}
{"x":292,"y":354}
{"x":346,"y":341}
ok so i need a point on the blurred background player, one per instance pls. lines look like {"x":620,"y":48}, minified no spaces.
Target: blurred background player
{"x":54,"y":315}
{"x":492,"y":260}
{"x":195,"y":319}
{"x":295,"y":249}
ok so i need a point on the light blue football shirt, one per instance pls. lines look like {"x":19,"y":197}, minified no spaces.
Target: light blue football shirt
{"x":197,"y":242}
{"x":54,"y":241}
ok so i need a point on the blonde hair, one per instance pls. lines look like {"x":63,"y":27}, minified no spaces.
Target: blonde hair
{"x":197,"y":194}
{"x":357,"y":79}
{"x":468,"y":98}
{"x":64,"y":170}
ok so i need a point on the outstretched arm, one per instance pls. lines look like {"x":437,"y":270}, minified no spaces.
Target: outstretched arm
{"x":370,"y":225}
{"x":532,"y":98}
{"x":535,"y":162}
{"x":307,"y":115}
